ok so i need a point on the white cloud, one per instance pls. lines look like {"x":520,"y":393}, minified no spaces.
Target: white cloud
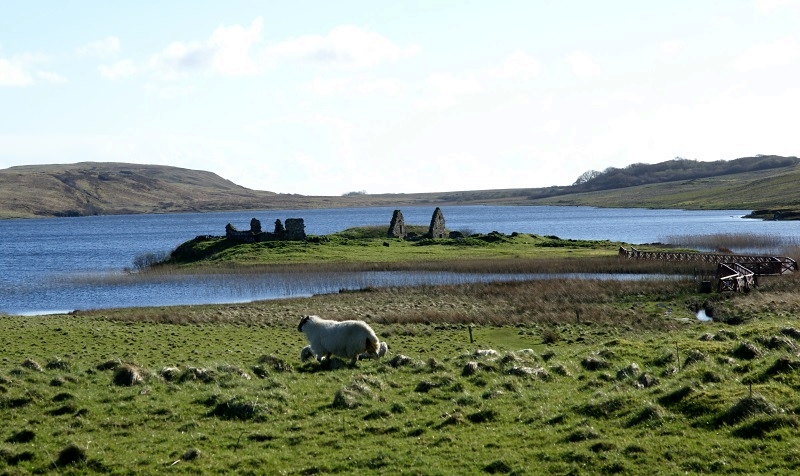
{"x":232,"y":48}
{"x":51,"y":77}
{"x":771,"y":5}
{"x":178,"y":58}
{"x":670,"y":47}
{"x":444,"y":90}
{"x":780,"y":52}
{"x":354,"y":87}
{"x":517,"y":65}
{"x":13,"y":72}
{"x":171,"y":91}
{"x":583,"y":64}
{"x":19,"y":71}
{"x":120,"y":69}
{"x":100,"y":48}
{"x":234,"y":51}
{"x":345,"y":46}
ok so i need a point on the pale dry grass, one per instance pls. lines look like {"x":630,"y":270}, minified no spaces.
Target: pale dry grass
{"x":542,"y":301}
{"x":735,"y":242}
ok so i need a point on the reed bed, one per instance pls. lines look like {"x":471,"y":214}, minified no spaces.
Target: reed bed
{"x":552,"y":301}
{"x":587,"y":265}
{"x":743,"y":243}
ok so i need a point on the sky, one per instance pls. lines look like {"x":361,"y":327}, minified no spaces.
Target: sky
{"x":333,"y":97}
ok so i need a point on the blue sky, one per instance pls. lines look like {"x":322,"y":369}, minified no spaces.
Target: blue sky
{"x":325,"y":98}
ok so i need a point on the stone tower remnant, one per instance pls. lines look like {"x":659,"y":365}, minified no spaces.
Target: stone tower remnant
{"x":279,"y":229}
{"x":295,"y":229}
{"x":397,"y":227}
{"x":436,"y":230}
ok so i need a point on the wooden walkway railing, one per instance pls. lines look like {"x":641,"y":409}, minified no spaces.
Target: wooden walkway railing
{"x":734,"y":272}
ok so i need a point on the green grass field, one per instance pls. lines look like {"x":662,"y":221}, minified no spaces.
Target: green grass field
{"x":632,"y":385}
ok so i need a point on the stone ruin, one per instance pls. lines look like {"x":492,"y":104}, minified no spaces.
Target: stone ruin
{"x":295,"y":230}
{"x":397,"y":227}
{"x":436,"y":229}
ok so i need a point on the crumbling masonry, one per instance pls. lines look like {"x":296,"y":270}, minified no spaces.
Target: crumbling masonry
{"x":295,"y":230}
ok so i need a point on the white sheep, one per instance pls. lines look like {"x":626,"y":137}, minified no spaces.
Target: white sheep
{"x":344,"y":339}
{"x":382,"y":349}
{"x":306,"y":353}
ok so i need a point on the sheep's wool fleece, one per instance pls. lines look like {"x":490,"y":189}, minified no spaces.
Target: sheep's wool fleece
{"x":343,"y":339}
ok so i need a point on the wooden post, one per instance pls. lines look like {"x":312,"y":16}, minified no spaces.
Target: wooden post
{"x":678,"y":356}
{"x":578,"y":316}
{"x":470,"y":334}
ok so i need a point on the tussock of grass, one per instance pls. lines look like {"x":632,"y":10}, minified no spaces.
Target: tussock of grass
{"x":762,"y":425}
{"x":31,"y":364}
{"x":22,"y":436}
{"x":240,"y":408}
{"x":128,"y":375}
{"x":745,"y":408}
{"x":71,"y":455}
{"x":747,"y":351}
{"x":651,"y":415}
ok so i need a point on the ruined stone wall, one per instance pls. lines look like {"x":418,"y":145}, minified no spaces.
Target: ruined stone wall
{"x":437,"y":229}
{"x":295,"y":229}
{"x":244,"y":236}
{"x":397,"y":227}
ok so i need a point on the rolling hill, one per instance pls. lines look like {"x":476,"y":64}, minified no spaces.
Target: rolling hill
{"x":94,"y":188}
{"x":99,"y":188}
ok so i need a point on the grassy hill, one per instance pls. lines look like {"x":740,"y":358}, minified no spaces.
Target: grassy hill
{"x":94,"y":188}
{"x":91,"y":188}
{"x":773,"y":188}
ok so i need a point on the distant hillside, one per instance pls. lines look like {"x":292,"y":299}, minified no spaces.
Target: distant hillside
{"x":757,"y":188}
{"x":100,"y":188}
{"x":94,"y":188}
{"x":89,"y":188}
{"x":674,"y":170}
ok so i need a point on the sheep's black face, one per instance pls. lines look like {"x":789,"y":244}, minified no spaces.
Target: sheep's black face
{"x":303,"y":321}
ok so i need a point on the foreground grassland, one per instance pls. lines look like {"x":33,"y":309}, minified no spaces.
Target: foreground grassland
{"x":562,"y":377}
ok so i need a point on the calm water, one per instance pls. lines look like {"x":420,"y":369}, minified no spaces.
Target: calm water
{"x":44,"y":263}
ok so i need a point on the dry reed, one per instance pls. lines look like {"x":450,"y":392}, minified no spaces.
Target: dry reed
{"x":736,"y":242}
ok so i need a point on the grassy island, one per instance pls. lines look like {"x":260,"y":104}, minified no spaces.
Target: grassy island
{"x":556,"y":376}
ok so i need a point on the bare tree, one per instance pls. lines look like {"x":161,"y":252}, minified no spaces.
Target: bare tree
{"x":587,"y":176}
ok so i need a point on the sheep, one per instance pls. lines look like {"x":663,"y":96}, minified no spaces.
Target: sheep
{"x":306,"y":353}
{"x":345,"y":339}
{"x":382,"y":349}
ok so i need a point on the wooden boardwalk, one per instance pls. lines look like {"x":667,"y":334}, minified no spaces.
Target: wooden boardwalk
{"x":734,"y":272}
